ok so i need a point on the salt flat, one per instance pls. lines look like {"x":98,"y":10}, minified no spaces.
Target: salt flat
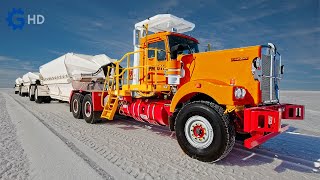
{"x":44,"y":141}
{"x":311,"y":100}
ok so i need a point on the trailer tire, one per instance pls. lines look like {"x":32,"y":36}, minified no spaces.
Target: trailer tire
{"x":204,"y":132}
{"x":89,"y":115}
{"x":31,"y":97}
{"x":76,"y":105}
{"x":38,"y":99}
{"x":47,"y":99}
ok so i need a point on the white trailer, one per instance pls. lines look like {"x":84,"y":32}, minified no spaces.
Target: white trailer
{"x":59,"y":77}
{"x":17,"y":85}
{"x":29,"y":82}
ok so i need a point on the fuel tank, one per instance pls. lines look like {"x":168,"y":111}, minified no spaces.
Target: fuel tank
{"x":153,"y":111}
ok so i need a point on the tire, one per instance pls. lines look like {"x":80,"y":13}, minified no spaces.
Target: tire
{"x":47,"y":99}
{"x":16,"y":92}
{"x":89,"y":115}
{"x":20,"y":94}
{"x":37,"y":99}
{"x":204,"y":132}
{"x":31,"y":97}
{"x":76,"y":105}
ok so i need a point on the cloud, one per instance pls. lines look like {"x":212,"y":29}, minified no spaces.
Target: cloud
{"x":169,"y":5}
{"x":215,"y":43}
{"x":298,"y":32}
{"x":103,"y":32}
{"x":106,"y":32}
{"x":316,"y":76}
{"x":9,"y":71}
{"x":6,"y":58}
{"x":295,"y":71}
{"x":237,"y":18}
{"x":295,"y":81}
{"x":314,"y":62}
{"x":59,"y":53}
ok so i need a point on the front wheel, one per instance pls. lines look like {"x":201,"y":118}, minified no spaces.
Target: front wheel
{"x":89,"y":115}
{"x":204,"y":132}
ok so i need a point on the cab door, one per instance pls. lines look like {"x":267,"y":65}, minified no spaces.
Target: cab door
{"x":157,"y":61}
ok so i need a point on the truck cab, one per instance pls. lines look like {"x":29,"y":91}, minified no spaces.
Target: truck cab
{"x":207,"y":98}
{"x":163,"y":48}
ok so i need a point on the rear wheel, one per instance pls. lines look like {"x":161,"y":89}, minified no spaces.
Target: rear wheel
{"x":76,"y":105}
{"x":47,"y":99}
{"x":87,"y":110}
{"x":38,"y":99}
{"x":204,"y":132}
{"x":20,"y":94}
{"x":31,"y":97}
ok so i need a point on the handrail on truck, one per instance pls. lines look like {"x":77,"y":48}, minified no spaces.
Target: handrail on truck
{"x":117,"y":75}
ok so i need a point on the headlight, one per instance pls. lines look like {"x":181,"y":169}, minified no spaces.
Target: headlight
{"x":239,"y":93}
{"x":243,"y":93}
{"x":256,"y":63}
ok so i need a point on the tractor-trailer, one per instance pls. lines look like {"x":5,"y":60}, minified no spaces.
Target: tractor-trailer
{"x":207,"y":98}
{"x":17,"y":85}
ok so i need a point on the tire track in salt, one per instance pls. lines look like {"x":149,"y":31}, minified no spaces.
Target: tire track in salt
{"x":71,"y":145}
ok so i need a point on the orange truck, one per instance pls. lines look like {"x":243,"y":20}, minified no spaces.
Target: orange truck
{"x":207,"y":98}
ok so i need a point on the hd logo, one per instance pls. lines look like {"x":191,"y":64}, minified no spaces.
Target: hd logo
{"x":17,"y":20}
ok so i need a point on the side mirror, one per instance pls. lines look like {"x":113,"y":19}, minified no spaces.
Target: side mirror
{"x":136,"y":37}
{"x":177,"y":48}
{"x":282,"y":69}
{"x":174,"y":51}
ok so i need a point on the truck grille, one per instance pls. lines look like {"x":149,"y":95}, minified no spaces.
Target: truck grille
{"x":270,"y":77}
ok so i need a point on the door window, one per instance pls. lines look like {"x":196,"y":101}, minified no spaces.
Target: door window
{"x":161,"y":50}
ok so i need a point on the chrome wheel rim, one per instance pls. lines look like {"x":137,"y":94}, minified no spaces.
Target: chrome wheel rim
{"x":36,"y":94}
{"x":87,"y":109}
{"x":75,"y":105}
{"x":199,"y":132}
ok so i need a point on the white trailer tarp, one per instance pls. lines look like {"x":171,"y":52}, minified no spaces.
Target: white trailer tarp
{"x":30,"y":78}
{"x":62,"y":75}
{"x":19,"y":81}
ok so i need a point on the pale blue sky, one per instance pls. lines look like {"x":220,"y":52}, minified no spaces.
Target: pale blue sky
{"x":99,"y":26}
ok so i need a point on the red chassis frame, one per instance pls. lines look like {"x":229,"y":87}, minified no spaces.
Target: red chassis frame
{"x":264,"y":122}
{"x":95,"y":97}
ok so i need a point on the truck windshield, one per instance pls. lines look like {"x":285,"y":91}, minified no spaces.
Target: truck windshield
{"x":192,"y":46}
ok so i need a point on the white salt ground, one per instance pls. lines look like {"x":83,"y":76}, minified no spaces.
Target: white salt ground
{"x":48,"y":143}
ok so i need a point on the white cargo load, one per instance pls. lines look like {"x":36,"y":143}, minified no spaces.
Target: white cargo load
{"x":19,"y":81}
{"x":17,"y":85}
{"x":30,"y":78}
{"x":70,"y":72}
